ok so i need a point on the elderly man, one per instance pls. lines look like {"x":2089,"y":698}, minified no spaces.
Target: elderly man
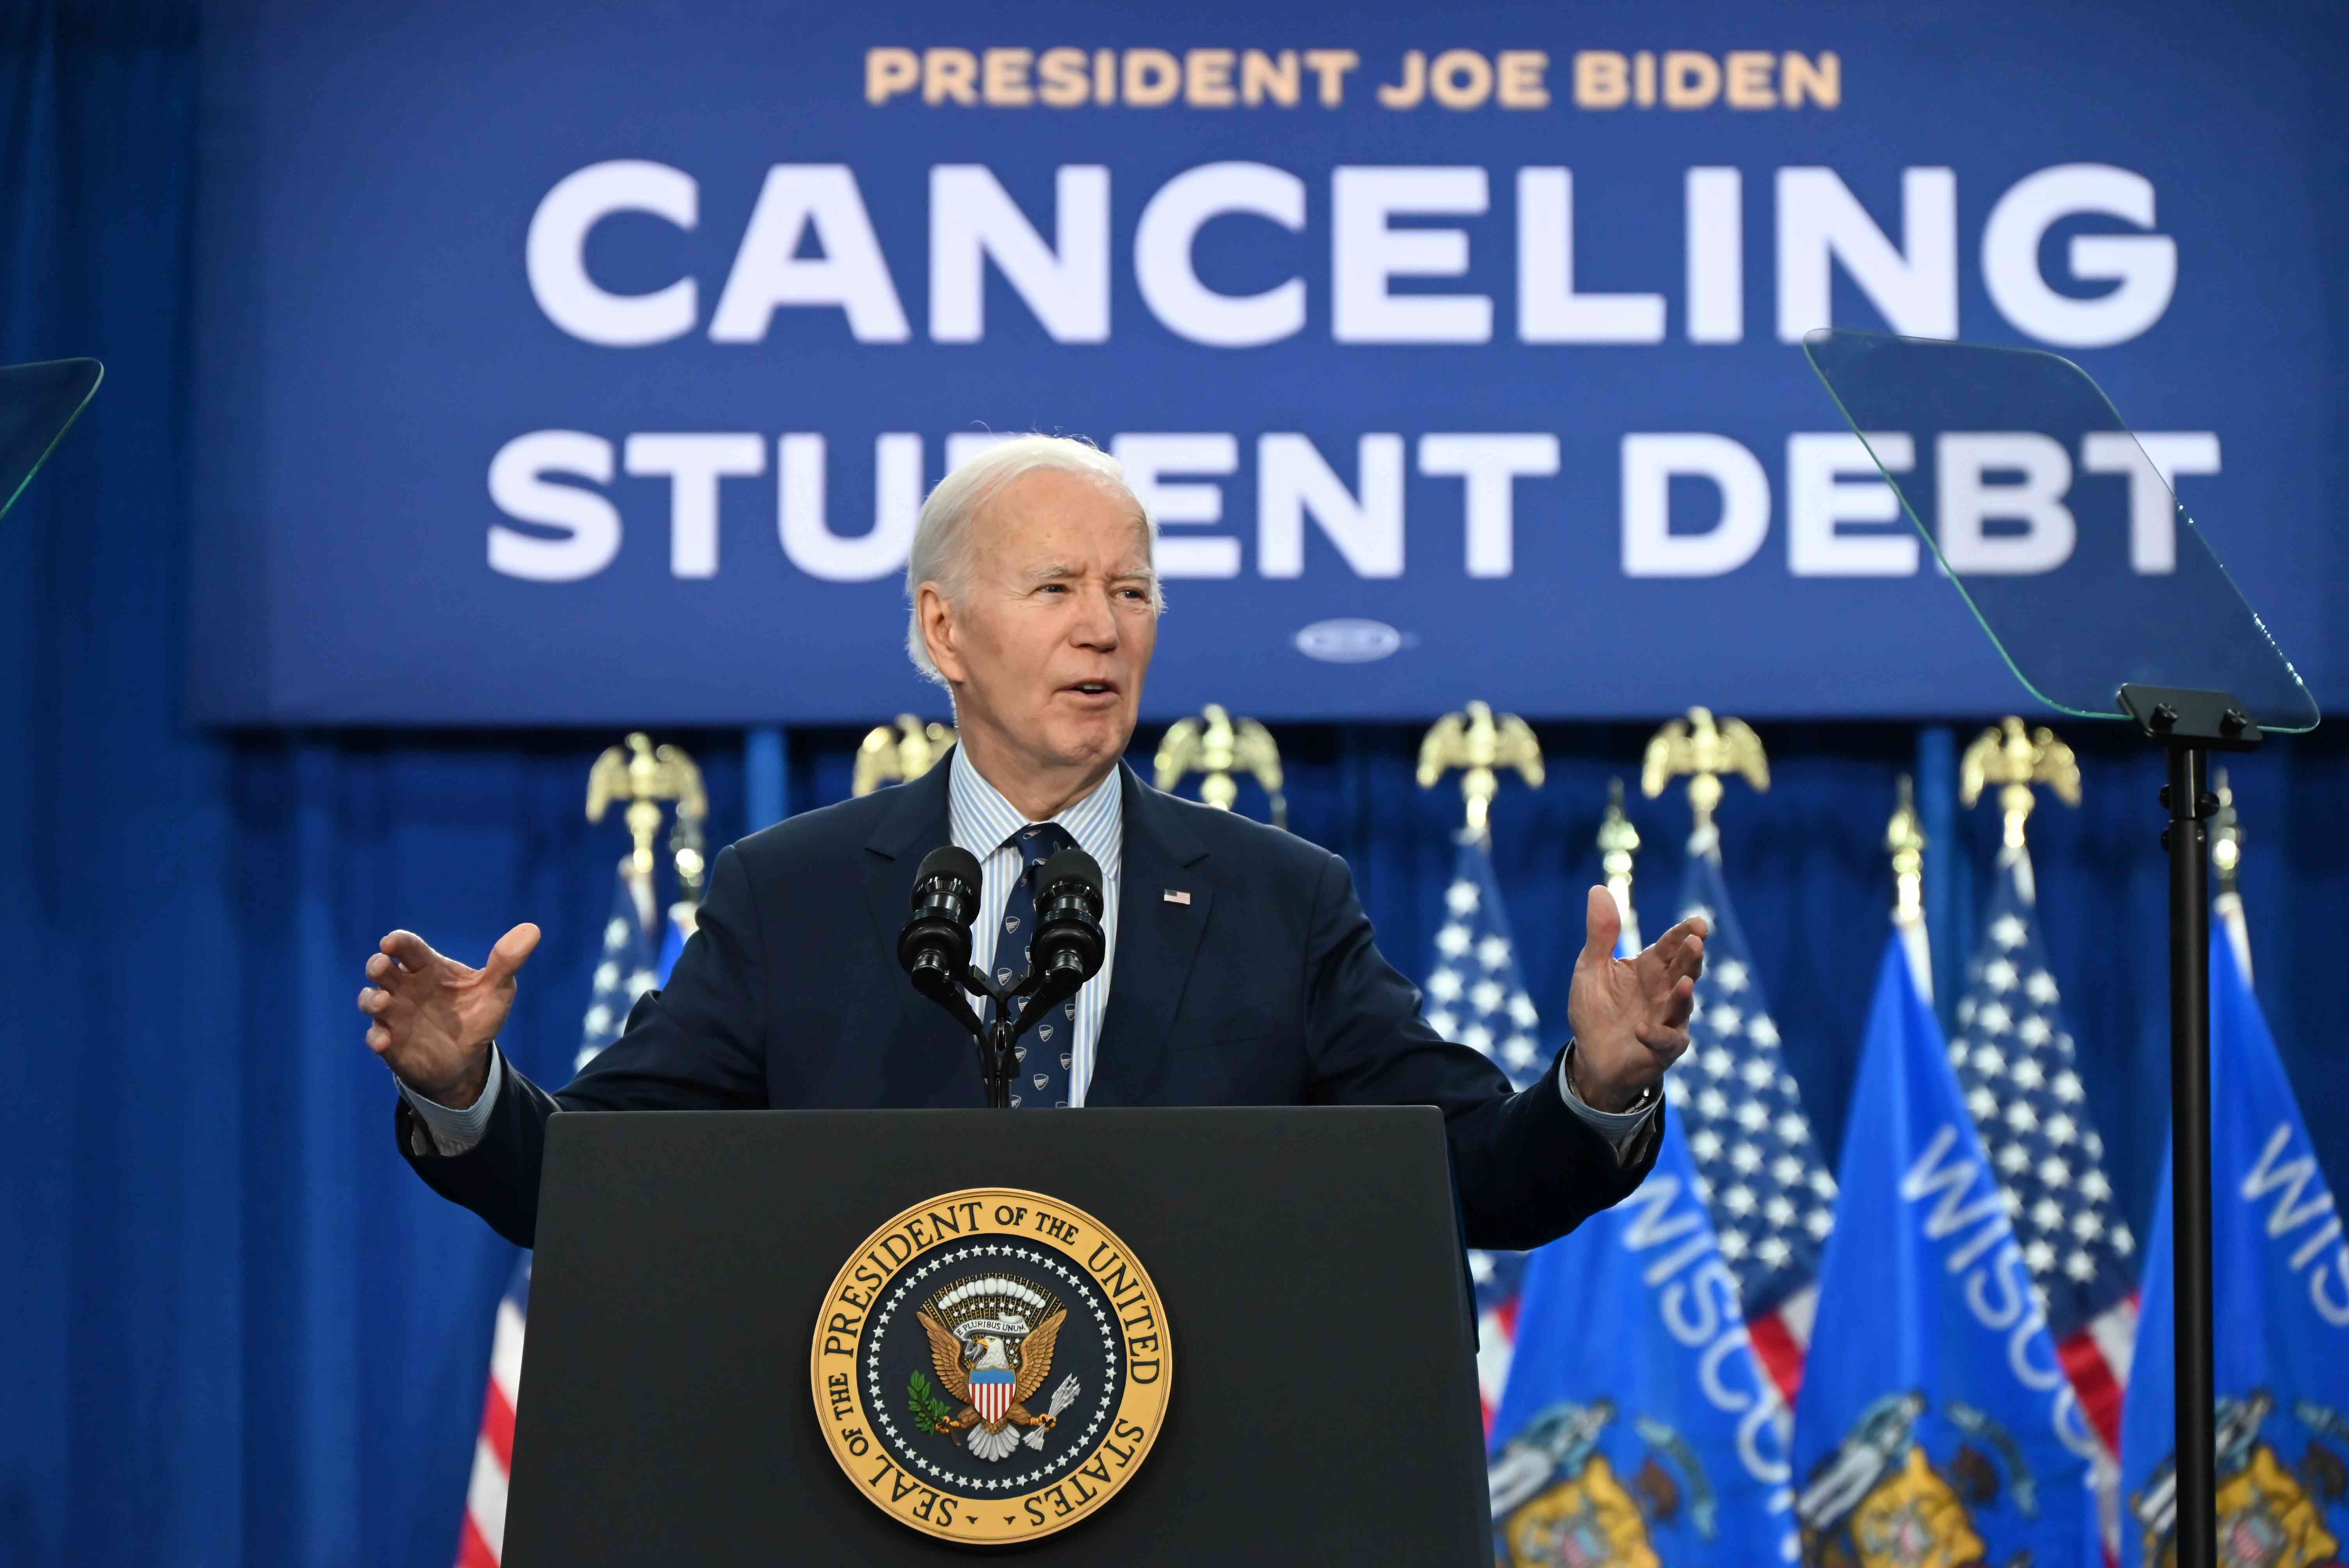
{"x":1240,"y":971}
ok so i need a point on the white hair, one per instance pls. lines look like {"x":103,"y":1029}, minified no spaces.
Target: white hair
{"x":941,"y":550}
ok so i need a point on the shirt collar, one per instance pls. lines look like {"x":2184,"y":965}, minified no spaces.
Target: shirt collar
{"x":980,"y":818}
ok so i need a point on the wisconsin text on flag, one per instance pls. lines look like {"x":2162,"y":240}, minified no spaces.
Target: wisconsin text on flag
{"x":2280,"y":1271}
{"x":2016,"y":1063}
{"x":1638,"y":1426}
{"x":1943,"y":1428}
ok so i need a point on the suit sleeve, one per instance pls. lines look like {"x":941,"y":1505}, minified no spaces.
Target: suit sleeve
{"x":697,"y":1045}
{"x":1527,"y":1168}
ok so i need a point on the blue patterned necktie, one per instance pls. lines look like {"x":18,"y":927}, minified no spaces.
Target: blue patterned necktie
{"x":1045,"y":1051}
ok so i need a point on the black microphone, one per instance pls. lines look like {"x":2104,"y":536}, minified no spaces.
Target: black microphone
{"x":934,"y":945}
{"x":1068,"y":943}
{"x":1067,"y":948}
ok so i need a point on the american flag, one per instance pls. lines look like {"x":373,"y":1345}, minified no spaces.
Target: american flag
{"x":1475,"y":996}
{"x":2015,"y":1061}
{"x":483,"y":1541}
{"x":1758,"y":1167}
{"x":625,"y":971}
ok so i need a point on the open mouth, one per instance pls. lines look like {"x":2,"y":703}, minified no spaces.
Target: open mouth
{"x":1092,"y":688}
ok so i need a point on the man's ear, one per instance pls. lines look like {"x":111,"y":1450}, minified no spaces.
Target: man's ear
{"x":937,"y":618}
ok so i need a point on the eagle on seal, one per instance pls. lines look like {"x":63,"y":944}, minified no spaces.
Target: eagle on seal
{"x":1028,"y":1359}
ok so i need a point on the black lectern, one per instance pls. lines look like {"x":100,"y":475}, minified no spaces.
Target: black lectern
{"x":1322,"y":1405}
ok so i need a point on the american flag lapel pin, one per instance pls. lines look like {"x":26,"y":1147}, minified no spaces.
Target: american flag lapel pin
{"x":1177,"y":896}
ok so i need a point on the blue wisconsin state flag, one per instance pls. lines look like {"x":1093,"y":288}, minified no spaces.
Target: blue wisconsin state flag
{"x":2280,"y":1278}
{"x":1935,"y":1424}
{"x":1639,"y":1427}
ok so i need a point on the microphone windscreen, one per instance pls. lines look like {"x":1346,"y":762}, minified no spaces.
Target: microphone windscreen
{"x":1072,"y":865}
{"x":955,"y":862}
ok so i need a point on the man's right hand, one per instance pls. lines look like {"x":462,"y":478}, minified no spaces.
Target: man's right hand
{"x":434,"y":1019}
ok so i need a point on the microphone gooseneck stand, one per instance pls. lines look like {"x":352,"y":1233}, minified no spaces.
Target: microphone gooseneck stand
{"x":1065,"y":951}
{"x":997,"y":1064}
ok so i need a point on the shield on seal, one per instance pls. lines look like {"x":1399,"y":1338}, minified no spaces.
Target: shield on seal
{"x":990,"y":1394}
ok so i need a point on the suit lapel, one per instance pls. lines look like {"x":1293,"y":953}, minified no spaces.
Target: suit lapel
{"x":915,"y":824}
{"x":1157,"y":941}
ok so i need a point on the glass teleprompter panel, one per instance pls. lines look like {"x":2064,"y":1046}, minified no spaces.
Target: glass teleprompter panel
{"x":37,"y":402}
{"x":2057,"y":523}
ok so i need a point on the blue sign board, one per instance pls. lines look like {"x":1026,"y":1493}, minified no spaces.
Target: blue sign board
{"x":573,"y":364}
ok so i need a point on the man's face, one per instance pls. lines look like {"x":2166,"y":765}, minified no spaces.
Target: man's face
{"x":1049,"y":646}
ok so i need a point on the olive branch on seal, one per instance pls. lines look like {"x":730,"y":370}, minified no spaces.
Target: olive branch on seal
{"x":930,"y":1412}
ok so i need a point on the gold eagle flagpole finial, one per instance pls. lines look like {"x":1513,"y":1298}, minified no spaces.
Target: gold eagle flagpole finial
{"x":1481,"y":742}
{"x":644,"y":775}
{"x":1701,"y":749}
{"x":1619,"y":842}
{"x":2225,"y":867}
{"x":1218,"y":746}
{"x":2014,"y":758}
{"x":898,"y":756}
{"x":1904,"y":840}
{"x":2226,"y":837}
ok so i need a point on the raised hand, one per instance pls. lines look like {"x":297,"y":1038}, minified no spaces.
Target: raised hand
{"x":433,"y":1019}
{"x":1631,"y":1016}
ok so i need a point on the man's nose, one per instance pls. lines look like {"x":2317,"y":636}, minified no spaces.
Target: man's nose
{"x":1096,"y":621}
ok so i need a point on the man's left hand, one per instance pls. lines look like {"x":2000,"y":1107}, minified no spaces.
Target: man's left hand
{"x":1631,"y":1016}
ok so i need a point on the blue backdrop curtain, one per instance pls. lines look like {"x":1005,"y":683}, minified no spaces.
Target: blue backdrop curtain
{"x":236,"y":1331}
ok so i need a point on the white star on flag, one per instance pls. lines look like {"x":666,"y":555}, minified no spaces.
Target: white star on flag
{"x":1771,"y":1198}
{"x":2017,"y":1062}
{"x":1479,"y":999}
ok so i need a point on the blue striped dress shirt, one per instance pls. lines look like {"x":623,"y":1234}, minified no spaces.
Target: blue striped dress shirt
{"x":978,"y":819}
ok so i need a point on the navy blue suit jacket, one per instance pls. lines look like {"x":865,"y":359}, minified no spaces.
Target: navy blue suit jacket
{"x":1265,"y":989}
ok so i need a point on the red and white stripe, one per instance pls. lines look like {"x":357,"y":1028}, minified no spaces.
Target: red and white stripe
{"x":1496,"y":1345}
{"x":1781,"y":1338}
{"x":992,"y":1399}
{"x":482,"y":1542}
{"x":2096,"y":1358}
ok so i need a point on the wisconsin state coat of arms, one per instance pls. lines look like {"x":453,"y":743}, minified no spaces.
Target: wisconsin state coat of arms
{"x":1558,"y":1501}
{"x":991,"y":1365}
{"x":1881,"y":1500}
{"x":2272,"y":1513}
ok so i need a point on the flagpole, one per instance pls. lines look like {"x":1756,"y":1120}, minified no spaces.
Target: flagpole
{"x":2191,"y":725}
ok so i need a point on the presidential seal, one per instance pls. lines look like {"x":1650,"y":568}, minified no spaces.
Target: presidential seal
{"x":991,"y":1365}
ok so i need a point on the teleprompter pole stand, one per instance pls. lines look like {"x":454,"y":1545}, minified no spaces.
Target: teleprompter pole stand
{"x":2191,"y":725}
